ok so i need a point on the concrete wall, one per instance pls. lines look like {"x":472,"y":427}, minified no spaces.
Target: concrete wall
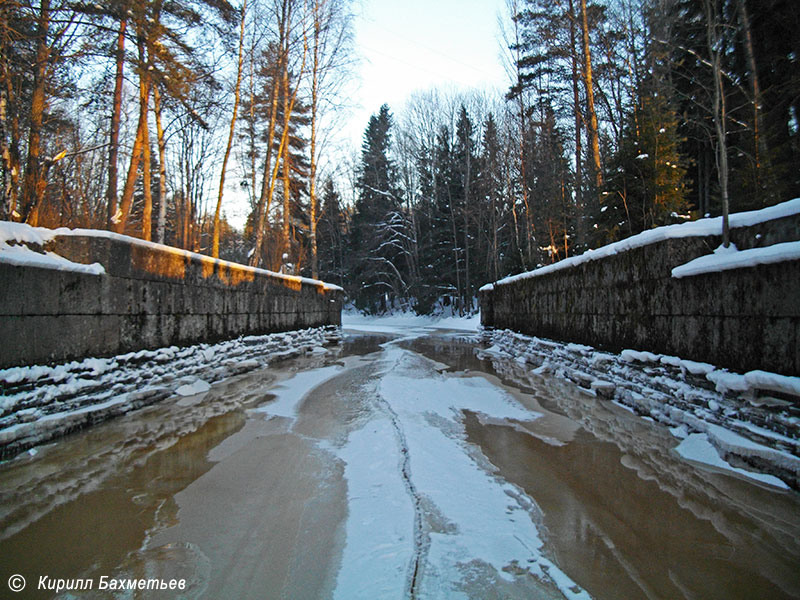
{"x":742,"y":319}
{"x":151,"y":296}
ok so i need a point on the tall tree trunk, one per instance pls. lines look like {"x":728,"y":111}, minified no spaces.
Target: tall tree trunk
{"x":286,"y":159}
{"x":312,"y":184}
{"x":762,"y":158}
{"x":262,"y":207}
{"x":141,"y":132}
{"x":34,"y":184}
{"x":147,"y":192}
{"x":113,"y":152}
{"x":719,"y":116}
{"x":162,"y":168}
{"x":268,"y":185}
{"x":231,"y":131}
{"x":467,"y":176}
{"x":576,"y":103}
{"x":594,"y":135}
{"x":9,"y":138}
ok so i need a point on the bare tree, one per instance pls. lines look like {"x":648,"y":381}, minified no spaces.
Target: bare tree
{"x":236,"y":96}
{"x":719,"y":110}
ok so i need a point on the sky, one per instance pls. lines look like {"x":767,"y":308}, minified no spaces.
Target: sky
{"x":410,"y":45}
{"x":404,"y":46}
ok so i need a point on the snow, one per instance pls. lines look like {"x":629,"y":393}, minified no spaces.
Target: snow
{"x":14,"y":250}
{"x":723,"y":261}
{"x":636,"y":356}
{"x":402,"y":322}
{"x":39,"y":401}
{"x":669,"y":390}
{"x":198,"y":386}
{"x":19,"y":254}
{"x":291,"y":392}
{"x":696,"y":447}
{"x":428,"y":497}
{"x":699,"y":228}
{"x":110,"y":235}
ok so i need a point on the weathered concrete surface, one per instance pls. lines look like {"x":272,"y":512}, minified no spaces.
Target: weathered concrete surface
{"x":151,"y":296}
{"x":742,"y":319}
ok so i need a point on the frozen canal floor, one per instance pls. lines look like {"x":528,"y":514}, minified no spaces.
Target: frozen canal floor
{"x":396,"y":465}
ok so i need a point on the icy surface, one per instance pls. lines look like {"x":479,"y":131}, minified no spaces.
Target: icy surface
{"x":38,"y":402}
{"x":198,"y":386}
{"x":696,"y":447}
{"x":701,"y":228}
{"x":403,"y":322}
{"x":448,"y":510}
{"x":292,"y":391}
{"x":734,"y":411}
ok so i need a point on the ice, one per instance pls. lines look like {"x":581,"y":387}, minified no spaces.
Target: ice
{"x":198,"y":386}
{"x":636,"y":356}
{"x":379,"y":530}
{"x":469,"y":515}
{"x":291,"y":392}
{"x":403,"y":322}
{"x":698,"y":448}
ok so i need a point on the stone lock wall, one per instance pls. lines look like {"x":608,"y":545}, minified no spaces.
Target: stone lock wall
{"x":743,"y":319}
{"x":150,"y":296}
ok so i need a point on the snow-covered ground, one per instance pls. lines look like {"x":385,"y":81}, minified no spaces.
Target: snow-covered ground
{"x":399,"y":323}
{"x":750,"y":420}
{"x":39,"y":403}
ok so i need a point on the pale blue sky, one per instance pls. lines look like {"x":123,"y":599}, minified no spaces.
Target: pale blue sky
{"x":411,"y":45}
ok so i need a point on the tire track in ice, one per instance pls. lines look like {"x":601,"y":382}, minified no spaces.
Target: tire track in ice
{"x":421,"y":542}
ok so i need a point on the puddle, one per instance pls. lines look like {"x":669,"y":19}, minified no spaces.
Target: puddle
{"x":149,"y":494}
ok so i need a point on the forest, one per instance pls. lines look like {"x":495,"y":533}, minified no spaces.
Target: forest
{"x":151,"y":117}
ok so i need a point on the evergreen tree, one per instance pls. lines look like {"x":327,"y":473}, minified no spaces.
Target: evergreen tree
{"x":377,"y":254}
{"x":648,"y":188}
{"x":331,"y":232}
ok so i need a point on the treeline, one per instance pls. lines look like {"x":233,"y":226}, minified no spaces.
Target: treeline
{"x":622,"y":115}
{"x":129,"y":114}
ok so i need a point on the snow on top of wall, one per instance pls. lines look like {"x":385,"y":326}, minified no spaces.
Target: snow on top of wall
{"x":101,"y":233}
{"x":699,"y":228}
{"x":738,"y":259}
{"x":19,"y":234}
{"x":14,"y":250}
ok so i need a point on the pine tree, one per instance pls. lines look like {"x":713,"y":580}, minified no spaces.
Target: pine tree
{"x":331,"y":232}
{"x":377,"y":254}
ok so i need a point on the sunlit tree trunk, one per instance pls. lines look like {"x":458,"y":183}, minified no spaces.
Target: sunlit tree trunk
{"x":113,"y":152}
{"x":576,"y":102}
{"x":312,"y":184}
{"x":594,"y":135}
{"x":162,"y":168}
{"x":267,"y":183}
{"x":231,"y":131}
{"x":141,"y":132}
{"x":34,"y":184}
{"x":286,"y":159}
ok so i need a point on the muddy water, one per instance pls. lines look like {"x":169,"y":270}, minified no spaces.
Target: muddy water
{"x":243,"y":505}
